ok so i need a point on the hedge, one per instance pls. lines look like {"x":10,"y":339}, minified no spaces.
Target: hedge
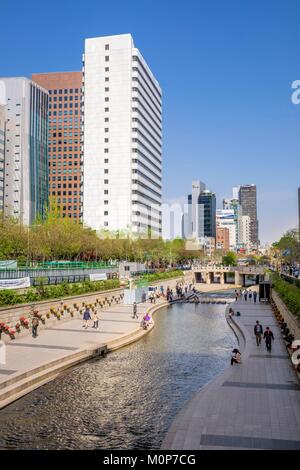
{"x":289,"y":294}
{"x":12,"y":297}
{"x":161,"y":276}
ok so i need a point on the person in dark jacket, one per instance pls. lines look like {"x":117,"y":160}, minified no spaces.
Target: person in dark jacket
{"x":35,"y":324}
{"x":135,"y":315}
{"x":86,"y":317}
{"x":258,"y":331}
{"x":268,"y":336}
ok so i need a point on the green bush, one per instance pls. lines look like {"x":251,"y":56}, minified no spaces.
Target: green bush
{"x":289,"y":294}
{"x":11,"y":297}
{"x":161,"y":276}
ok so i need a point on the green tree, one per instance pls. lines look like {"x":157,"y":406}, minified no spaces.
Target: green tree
{"x":230,"y":259}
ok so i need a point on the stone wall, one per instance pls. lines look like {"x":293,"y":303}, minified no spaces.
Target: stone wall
{"x":292,"y":322}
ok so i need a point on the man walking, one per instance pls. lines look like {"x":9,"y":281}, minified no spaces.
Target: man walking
{"x":254,"y":296}
{"x":135,"y":315}
{"x":35,"y":324}
{"x":268,"y":336}
{"x":86,"y":318}
{"x":245,"y":295}
{"x":258,"y":331}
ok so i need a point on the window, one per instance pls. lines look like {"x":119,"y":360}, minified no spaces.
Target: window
{"x":106,"y":110}
{"x":105,"y":224}
{"x":105,"y":160}
{"x":106,"y":140}
{"x":106,"y":98}
{"x":105,"y":181}
{"x":105,"y":191}
{"x":105,"y":212}
{"x":106,"y":89}
{"x":107,"y":58}
{"x":105,"y":150}
{"x":107,"y":47}
{"x":106,"y":69}
{"x":107,"y":79}
{"x":106,"y":171}
{"x":106,"y":202}
{"x":106,"y":119}
{"x":106,"y":129}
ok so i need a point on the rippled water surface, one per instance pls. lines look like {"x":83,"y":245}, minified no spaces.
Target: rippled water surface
{"x":128,"y":399}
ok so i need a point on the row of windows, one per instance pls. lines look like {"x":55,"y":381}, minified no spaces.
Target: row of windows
{"x":60,"y":120}
{"x":65,"y":113}
{"x":65,"y":98}
{"x":63,"y":149}
{"x":65,"y":90}
{"x":60,"y":105}
{"x":64,"y":185}
{"x":65,"y":178}
{"x":51,"y":164}
{"x":65,"y":156}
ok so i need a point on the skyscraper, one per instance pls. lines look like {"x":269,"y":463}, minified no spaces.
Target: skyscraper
{"x":299,"y":212}
{"x":207,"y":214}
{"x":26,"y":158}
{"x":248,"y":201}
{"x":64,"y":143}
{"x":2,"y":153}
{"x":193,"y":229}
{"x":122,"y":138}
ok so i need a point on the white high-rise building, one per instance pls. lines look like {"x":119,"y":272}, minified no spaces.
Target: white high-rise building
{"x":245,"y":230}
{"x":26,"y":152}
{"x":122,"y":182}
{"x":2,"y":154}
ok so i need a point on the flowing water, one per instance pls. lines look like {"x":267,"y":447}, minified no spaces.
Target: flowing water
{"x":128,"y":399}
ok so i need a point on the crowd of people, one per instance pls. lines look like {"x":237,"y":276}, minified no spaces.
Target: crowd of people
{"x":246,"y":295}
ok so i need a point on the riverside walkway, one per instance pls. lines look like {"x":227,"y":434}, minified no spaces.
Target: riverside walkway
{"x":252,"y":405}
{"x":31,"y":362}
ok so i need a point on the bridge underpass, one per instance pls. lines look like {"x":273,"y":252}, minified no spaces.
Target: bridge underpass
{"x":224,"y":276}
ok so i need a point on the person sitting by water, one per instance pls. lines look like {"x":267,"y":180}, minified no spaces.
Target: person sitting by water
{"x":231,"y":312}
{"x":236,"y":357}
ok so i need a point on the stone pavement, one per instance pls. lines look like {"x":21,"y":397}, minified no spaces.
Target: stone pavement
{"x":27,"y":353}
{"x":252,"y":405}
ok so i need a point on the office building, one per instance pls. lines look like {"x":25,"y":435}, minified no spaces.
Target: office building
{"x":2,"y":154}
{"x":122,"y":138}
{"x":225,"y":218}
{"x":192,"y":219}
{"x":248,"y":201}
{"x":222,"y":240}
{"x":26,"y":159}
{"x":245,"y":232}
{"x":64,"y":140}
{"x":207,"y":214}
{"x":299,"y":212}
{"x":233,"y":204}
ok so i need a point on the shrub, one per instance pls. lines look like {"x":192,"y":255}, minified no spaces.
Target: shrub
{"x":289,"y":294}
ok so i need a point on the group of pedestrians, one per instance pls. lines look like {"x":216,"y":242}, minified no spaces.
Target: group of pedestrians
{"x":87,"y":317}
{"x":267,"y":335}
{"x":246,"y":295}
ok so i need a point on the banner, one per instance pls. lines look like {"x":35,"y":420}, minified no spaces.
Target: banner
{"x":21,"y":283}
{"x":98,"y":277}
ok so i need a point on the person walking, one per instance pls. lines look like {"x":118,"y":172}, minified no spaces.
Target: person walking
{"x":86,"y":318}
{"x":250,"y":295}
{"x":258,"y":331}
{"x":268,"y":336}
{"x":143,"y":296}
{"x":95,"y":320}
{"x":134,"y":310}
{"x":254,"y":296}
{"x":245,"y":295}
{"x":34,"y":325}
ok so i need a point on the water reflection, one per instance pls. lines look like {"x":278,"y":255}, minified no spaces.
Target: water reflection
{"x":128,"y":399}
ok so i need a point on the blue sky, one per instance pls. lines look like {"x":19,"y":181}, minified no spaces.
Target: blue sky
{"x":226,"y":69}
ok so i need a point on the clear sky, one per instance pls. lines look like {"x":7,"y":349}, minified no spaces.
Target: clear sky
{"x":225,"y":67}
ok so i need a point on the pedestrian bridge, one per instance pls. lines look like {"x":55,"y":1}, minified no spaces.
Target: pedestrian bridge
{"x":237,"y":275}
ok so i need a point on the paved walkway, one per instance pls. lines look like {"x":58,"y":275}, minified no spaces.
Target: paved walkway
{"x":27,"y":353}
{"x":253,"y":405}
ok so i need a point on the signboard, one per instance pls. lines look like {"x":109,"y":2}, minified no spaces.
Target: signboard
{"x":21,"y":283}
{"x":98,"y":277}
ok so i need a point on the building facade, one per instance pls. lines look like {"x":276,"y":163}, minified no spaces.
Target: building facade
{"x":225,"y":218}
{"x":207,"y":214}
{"x":299,"y":213}
{"x":245,"y":232}
{"x":122,"y":138}
{"x":248,"y":201}
{"x":192,"y":219}
{"x":222,"y":240}
{"x":26,"y":156}
{"x":64,"y":140}
{"x":2,"y":154}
